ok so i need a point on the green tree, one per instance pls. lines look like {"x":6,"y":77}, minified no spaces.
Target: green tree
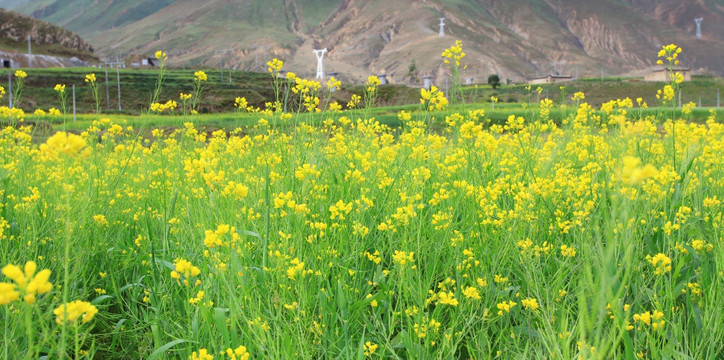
{"x":494,"y":80}
{"x":412,"y":72}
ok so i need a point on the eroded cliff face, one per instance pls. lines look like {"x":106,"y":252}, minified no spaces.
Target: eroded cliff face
{"x":682,"y":14}
{"x":15,"y":27}
{"x":517,"y":39}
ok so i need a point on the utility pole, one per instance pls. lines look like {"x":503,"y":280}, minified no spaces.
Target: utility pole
{"x":108,"y":92}
{"x":256,"y":54}
{"x":118,"y":80}
{"x":117,"y":64}
{"x":223,"y":52}
{"x":30,"y":54}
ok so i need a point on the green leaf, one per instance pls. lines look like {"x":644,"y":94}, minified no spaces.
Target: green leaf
{"x":220,"y":320}
{"x":100,"y":299}
{"x":165,"y":348}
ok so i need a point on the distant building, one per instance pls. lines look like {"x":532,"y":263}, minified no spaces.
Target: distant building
{"x":8,"y":63}
{"x":550,"y":79}
{"x":662,"y":73}
{"x":141,"y":61}
{"x":383,"y":78}
{"x":427,"y":82}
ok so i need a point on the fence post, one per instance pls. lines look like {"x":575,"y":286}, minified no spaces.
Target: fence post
{"x":118,"y":80}
{"x":10,"y":90}
{"x":74,"y":102}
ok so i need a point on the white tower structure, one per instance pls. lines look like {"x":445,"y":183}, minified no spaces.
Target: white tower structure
{"x":442,"y":27}
{"x":698,"y":27}
{"x":320,"y":67}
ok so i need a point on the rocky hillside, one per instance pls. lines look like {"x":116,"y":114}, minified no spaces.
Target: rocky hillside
{"x":517,"y":39}
{"x":49,"y":42}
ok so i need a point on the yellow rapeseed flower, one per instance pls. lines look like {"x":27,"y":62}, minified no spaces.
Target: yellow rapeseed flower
{"x":333,"y":83}
{"x":240,"y":103}
{"x":27,"y":281}
{"x":20,"y":74}
{"x":370,"y":348}
{"x":530,"y":304}
{"x":240,"y":353}
{"x":568,"y":251}
{"x":274,"y":66}
{"x":661,"y":263}
{"x":372,"y":83}
{"x":65,"y":143}
{"x":401,"y":258}
{"x":505,"y":306}
{"x":90,"y":78}
{"x":203,"y":354}
{"x":433,"y":99}
{"x":200,"y":76}
{"x":74,"y":310}
{"x":160,"y":55}
{"x":454,"y":53}
{"x":185,"y":268}
{"x":8,"y":293}
{"x":471,"y":293}
{"x":447,"y":298}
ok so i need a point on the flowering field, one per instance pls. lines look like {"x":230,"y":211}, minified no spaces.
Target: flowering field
{"x":595,"y":238}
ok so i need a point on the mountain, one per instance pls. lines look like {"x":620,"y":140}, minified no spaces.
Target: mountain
{"x":10,"y":4}
{"x":51,"y":44}
{"x":514,"y":38}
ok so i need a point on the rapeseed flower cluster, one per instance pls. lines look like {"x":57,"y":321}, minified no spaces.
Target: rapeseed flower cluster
{"x":454,"y":53}
{"x":186,"y":269}
{"x":433,"y":99}
{"x":200,"y":76}
{"x":660,"y":262}
{"x":65,"y":143}
{"x":170,"y":105}
{"x":26,"y":283}
{"x":74,"y":311}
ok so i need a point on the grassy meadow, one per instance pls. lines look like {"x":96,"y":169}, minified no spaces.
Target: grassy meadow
{"x":440,"y":230}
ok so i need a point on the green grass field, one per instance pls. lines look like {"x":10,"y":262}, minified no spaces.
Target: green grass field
{"x":423,"y":231}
